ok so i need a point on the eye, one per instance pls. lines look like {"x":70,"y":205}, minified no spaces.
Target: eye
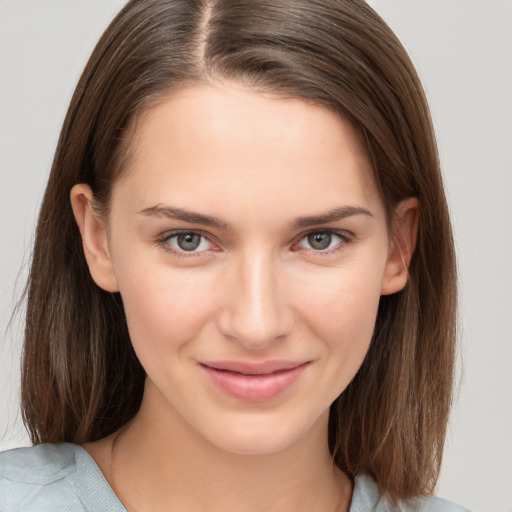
{"x":323,"y":241}
{"x":186,"y":242}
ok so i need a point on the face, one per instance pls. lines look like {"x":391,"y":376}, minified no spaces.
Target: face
{"x":250,"y":248}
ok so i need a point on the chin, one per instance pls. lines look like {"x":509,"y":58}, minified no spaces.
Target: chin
{"x":268,"y":445}
{"x":253,"y":437}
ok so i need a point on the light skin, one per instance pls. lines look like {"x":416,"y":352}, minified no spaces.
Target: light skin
{"x":246,"y":229}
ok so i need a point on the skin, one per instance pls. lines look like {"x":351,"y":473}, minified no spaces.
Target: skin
{"x":255,"y":290}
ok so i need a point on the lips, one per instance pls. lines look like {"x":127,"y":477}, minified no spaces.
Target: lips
{"x":254,"y":382}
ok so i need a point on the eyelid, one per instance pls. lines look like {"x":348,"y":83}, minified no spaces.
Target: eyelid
{"x":345,"y":236}
{"x":163,"y":242}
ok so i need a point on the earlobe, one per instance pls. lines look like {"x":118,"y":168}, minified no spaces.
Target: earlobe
{"x":401,"y":247}
{"x":94,"y":238}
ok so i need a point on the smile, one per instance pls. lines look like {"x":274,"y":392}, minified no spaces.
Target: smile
{"x":254,"y":382}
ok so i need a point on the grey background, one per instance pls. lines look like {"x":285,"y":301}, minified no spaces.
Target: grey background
{"x":463,"y":52}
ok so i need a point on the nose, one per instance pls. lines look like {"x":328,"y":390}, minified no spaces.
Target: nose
{"x":256,"y":312}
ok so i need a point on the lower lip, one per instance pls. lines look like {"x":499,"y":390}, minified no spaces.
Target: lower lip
{"x":254,"y":388}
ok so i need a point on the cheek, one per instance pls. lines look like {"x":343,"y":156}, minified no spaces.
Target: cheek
{"x":346,"y":322}
{"x":164,"y":308}
{"x":340,"y":310}
{"x":344,"y":299}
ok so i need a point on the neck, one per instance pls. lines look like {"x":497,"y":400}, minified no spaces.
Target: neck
{"x":159,"y":456}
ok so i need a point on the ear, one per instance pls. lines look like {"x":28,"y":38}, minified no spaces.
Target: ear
{"x":93,"y":230}
{"x":404,"y":232}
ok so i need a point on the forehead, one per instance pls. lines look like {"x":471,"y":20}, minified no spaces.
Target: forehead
{"x":227,"y":140}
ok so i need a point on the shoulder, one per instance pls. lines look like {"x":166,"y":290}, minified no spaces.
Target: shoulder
{"x":42,"y":464}
{"x":367,"y":498}
{"x":52,"y":477}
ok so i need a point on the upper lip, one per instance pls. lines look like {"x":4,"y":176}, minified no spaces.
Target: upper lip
{"x":251,"y":368}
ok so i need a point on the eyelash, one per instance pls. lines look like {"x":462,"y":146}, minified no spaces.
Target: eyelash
{"x":344,"y":237}
{"x":164,"y":240}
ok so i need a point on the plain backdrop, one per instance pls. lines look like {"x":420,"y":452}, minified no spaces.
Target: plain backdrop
{"x":463,"y":52}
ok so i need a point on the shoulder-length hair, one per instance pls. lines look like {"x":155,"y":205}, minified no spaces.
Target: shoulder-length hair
{"x":81,"y":378}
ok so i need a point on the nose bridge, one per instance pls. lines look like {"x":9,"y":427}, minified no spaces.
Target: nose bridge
{"x":257,"y":312}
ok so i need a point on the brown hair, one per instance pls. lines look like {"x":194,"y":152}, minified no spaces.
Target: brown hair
{"x":81,"y":379}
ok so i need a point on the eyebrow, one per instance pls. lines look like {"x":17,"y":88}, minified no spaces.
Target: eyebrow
{"x":184,"y":215}
{"x":209,"y":220}
{"x":331,"y":216}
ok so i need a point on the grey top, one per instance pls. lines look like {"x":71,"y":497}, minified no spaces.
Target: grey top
{"x":64,"y":478}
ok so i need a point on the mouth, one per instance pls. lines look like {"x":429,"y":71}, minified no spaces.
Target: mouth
{"x":254,"y":382}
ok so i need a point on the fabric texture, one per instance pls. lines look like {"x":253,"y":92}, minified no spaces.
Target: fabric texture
{"x":64,"y":478}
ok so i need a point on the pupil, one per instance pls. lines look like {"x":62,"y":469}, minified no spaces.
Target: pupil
{"x":319,"y":240}
{"x":189,"y":241}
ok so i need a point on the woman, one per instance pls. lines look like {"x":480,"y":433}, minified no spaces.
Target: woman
{"x":242,"y":293}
